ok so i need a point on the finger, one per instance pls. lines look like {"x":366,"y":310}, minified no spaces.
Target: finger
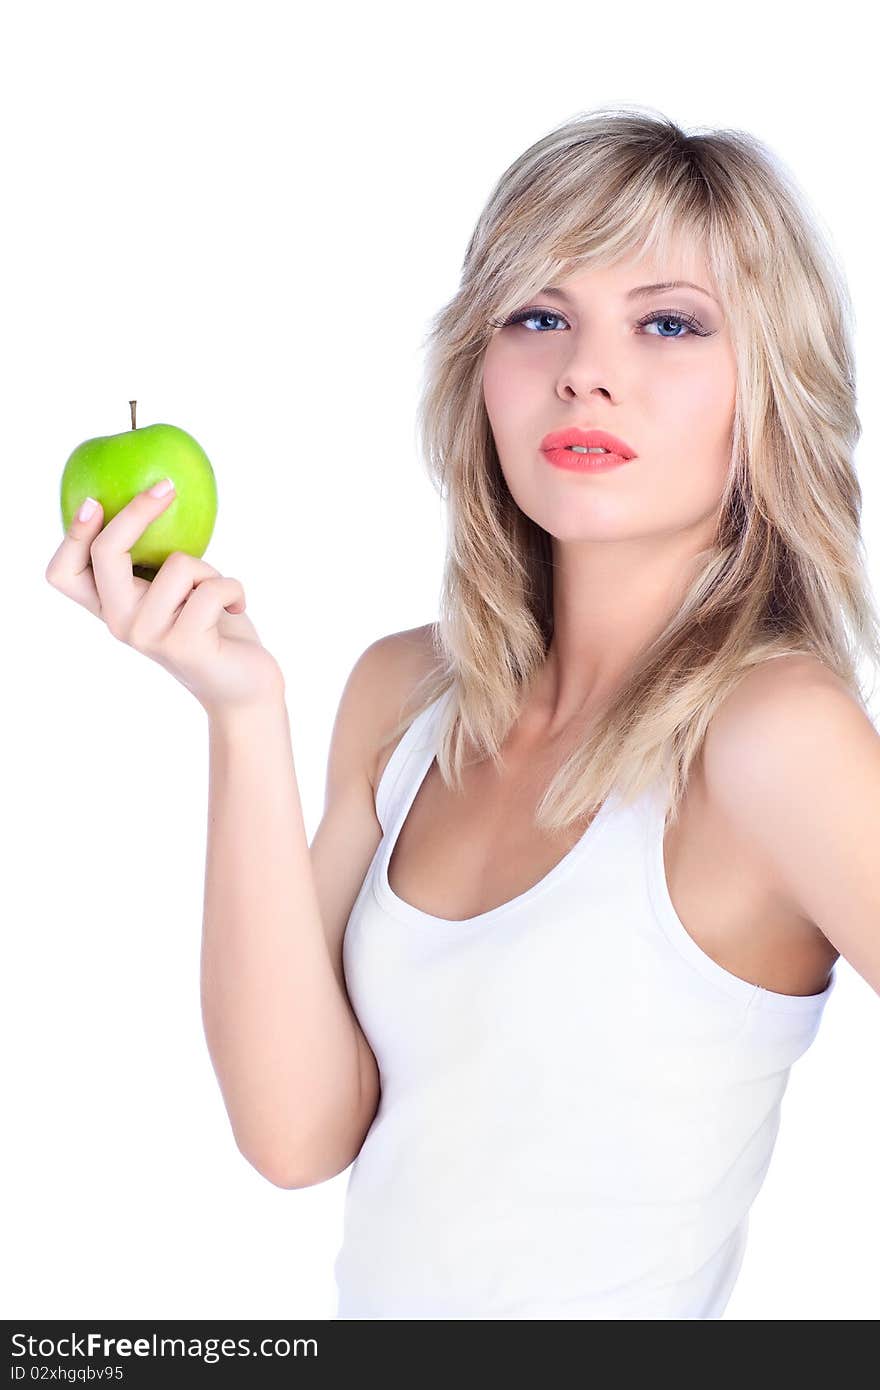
{"x":167,"y":594}
{"x":119,"y":590}
{"x":202,"y":609}
{"x":70,"y":569}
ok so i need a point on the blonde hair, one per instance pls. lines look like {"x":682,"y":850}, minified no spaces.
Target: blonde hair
{"x":786,"y":571}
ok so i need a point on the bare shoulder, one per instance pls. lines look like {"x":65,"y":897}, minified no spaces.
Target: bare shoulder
{"x":793,"y":762}
{"x":775,"y":718}
{"x":791,"y":690}
{"x":400,"y":661}
{"x":784,"y":747}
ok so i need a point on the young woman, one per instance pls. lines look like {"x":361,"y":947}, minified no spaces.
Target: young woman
{"x":593,"y":841}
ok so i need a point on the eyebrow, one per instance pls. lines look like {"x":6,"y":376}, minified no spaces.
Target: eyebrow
{"x":640,"y":289}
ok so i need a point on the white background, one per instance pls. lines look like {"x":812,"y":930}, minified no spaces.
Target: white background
{"x":244,"y":216}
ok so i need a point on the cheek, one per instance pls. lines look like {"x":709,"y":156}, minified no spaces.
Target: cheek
{"x":686,"y":481}
{"x":694,"y":421}
{"x":694,"y":484}
{"x":505,"y":386}
{"x":688,"y":462}
{"x":494,"y":393}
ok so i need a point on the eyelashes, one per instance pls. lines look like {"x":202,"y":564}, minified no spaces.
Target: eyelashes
{"x":687,"y":321}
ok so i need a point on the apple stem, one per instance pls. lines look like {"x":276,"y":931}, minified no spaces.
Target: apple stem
{"x":133,"y":405}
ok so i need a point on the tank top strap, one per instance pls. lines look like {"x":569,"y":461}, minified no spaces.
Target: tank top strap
{"x":410,"y":760}
{"x":798,"y":1009}
{"x":417,"y":748}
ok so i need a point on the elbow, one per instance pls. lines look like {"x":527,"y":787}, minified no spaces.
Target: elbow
{"x":288,"y":1173}
{"x":282,"y":1177}
{"x":322,"y":1153}
{"x":301,"y":1177}
{"x":281,"y":1172}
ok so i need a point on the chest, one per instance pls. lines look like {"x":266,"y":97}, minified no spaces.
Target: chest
{"x":461,"y":854}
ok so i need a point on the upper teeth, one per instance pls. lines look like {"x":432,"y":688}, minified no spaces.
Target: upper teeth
{"x":582,"y":449}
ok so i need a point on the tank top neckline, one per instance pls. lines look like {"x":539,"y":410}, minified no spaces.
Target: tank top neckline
{"x":417,"y":770}
{"x":404,"y":774}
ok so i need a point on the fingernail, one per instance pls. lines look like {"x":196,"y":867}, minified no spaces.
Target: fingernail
{"x":162,"y":489}
{"x":87,"y":509}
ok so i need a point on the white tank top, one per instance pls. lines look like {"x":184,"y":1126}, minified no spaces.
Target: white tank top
{"x":578,"y":1105}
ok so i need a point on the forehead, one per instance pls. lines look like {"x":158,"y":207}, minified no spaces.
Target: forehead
{"x":679,"y":265}
{"x":636,"y":277}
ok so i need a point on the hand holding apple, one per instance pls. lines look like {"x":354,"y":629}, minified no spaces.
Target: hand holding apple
{"x":114,"y":468}
{"x":188,"y":617}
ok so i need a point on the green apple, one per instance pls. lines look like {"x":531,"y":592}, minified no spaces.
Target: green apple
{"x":113,"y":468}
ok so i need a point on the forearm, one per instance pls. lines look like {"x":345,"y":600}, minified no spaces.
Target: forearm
{"x":279,"y":1029}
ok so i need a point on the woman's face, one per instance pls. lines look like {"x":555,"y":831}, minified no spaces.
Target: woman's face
{"x":667,"y":389}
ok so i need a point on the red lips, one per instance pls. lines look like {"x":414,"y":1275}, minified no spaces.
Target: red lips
{"x":561,"y":439}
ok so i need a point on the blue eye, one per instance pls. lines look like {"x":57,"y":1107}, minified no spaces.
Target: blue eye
{"x":692,"y":325}
{"x":525,"y":314}
{"x":665,"y":316}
